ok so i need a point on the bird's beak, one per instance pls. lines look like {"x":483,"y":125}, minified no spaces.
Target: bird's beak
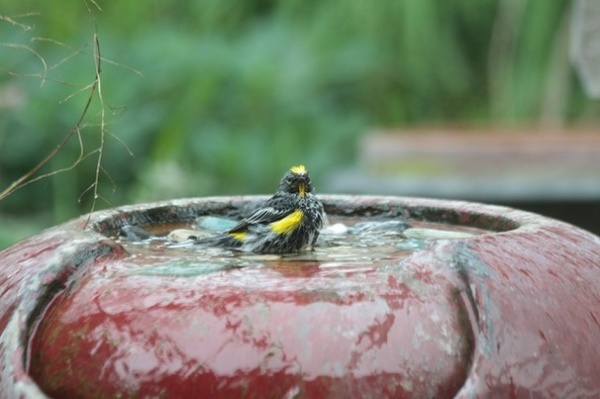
{"x":302,"y":189}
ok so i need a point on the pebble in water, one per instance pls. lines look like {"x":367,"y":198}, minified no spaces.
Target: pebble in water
{"x":335,"y":229}
{"x":136,"y":234}
{"x":180,"y":235}
{"x":214,"y":223}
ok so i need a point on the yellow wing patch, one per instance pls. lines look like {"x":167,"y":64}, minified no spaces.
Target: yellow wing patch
{"x":288,"y":223}
{"x":239,"y":236}
{"x":299,"y":170}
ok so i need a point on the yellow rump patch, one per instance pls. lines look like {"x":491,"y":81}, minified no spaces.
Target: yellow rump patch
{"x":299,"y":170}
{"x":239,"y":236}
{"x":288,"y":223}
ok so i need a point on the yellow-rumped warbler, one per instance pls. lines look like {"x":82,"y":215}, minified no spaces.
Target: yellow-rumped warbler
{"x":287,"y":222}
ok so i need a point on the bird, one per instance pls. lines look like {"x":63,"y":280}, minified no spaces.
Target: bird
{"x":288,"y":222}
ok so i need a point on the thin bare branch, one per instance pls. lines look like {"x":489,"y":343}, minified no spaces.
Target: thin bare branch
{"x":127,"y":148}
{"x":32,"y":51}
{"x":81,"y":51}
{"x":94,"y":90}
{"x":49,"y":40}
{"x":112,"y":182}
{"x":37,"y":76}
{"x":130,"y":69}
{"x":82,"y":157}
{"x":95,"y":5}
{"x":70,"y":96}
{"x":19,"y":183}
{"x":12,"y":20}
{"x":91,"y":186}
{"x":98,"y":80}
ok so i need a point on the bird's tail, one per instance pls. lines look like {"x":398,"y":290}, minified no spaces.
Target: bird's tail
{"x":221,"y":241}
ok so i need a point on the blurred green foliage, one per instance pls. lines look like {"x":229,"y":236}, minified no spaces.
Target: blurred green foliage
{"x":221,"y":96}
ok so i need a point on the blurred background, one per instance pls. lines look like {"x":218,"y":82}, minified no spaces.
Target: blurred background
{"x":220,"y":97}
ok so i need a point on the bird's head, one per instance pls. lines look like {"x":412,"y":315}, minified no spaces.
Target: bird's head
{"x":296,"y":181}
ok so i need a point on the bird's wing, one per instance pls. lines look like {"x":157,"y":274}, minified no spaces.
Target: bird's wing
{"x":261,"y":216}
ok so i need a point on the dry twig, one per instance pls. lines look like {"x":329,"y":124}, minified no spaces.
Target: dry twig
{"x":94,"y":91}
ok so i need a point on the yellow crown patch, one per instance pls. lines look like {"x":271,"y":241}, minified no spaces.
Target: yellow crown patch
{"x":299,"y":170}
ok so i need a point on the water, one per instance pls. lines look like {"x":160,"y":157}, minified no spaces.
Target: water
{"x":345,"y":245}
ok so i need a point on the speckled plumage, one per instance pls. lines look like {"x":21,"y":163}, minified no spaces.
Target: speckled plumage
{"x":288,"y":222}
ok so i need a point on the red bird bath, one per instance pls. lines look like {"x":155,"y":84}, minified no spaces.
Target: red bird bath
{"x":511,"y":311}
